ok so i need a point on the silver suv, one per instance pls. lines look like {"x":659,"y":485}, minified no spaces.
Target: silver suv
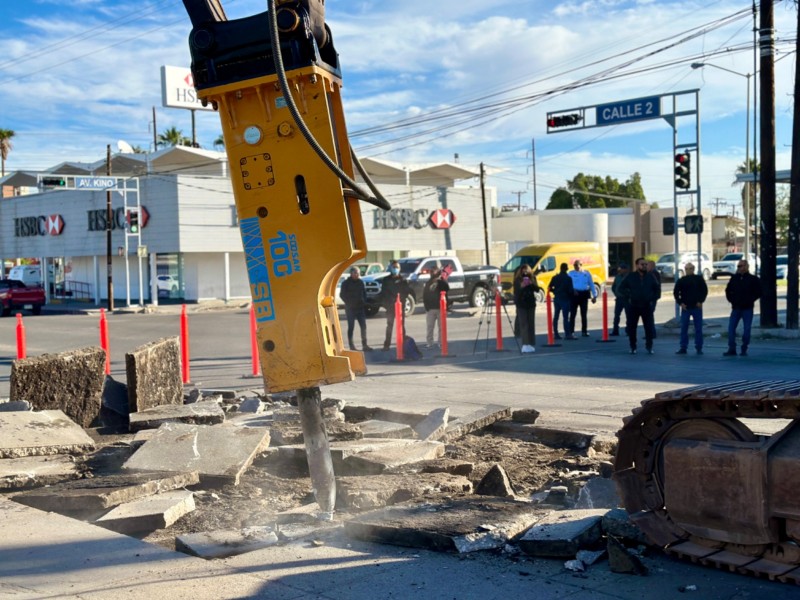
{"x":665,"y":264}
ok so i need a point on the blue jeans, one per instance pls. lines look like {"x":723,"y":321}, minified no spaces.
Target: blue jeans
{"x":696,"y":314}
{"x":562,"y":308}
{"x":745,"y":315}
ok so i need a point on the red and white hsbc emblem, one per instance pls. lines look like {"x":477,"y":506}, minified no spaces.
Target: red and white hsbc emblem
{"x":442,"y":218}
{"x":55,"y":225}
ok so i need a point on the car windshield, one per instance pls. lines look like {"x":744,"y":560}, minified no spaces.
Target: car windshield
{"x":516,"y":262}
{"x":409,"y":266}
{"x":733,"y":256}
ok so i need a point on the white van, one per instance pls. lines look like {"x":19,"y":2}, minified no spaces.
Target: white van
{"x":30,"y":275}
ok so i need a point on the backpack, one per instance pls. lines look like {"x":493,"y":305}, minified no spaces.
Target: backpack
{"x":410,"y":349}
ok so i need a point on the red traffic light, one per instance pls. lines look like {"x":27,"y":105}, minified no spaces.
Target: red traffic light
{"x":563,"y":120}
{"x":683,"y":158}
{"x":683,"y":175}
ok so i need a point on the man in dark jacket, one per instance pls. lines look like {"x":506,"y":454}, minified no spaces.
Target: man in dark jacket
{"x":391,"y":286}
{"x":690,"y":292}
{"x":640,"y":290}
{"x":563,"y":292}
{"x":619,"y":300}
{"x":431,"y":298}
{"x":354,"y":296}
{"x":742,"y":292}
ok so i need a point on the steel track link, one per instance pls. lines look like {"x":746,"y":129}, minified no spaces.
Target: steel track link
{"x":703,"y":413}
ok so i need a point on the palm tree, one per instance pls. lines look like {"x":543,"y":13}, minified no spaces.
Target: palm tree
{"x":5,"y":148}
{"x":219,"y":142}
{"x":749,"y":190}
{"x":173,"y":137}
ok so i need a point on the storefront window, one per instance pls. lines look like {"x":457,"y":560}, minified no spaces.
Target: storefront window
{"x":169,"y":276}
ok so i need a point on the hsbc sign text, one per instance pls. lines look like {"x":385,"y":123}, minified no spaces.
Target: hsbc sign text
{"x":40,"y":225}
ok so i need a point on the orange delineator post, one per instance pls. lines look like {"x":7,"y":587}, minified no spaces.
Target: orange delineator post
{"x":184,"y":345}
{"x":605,"y":315}
{"x":254,"y":342}
{"x":443,"y":321}
{"x":498,"y":305}
{"x":398,"y":326}
{"x":550,"y":336}
{"x":22,"y":348}
{"x":104,"y":339}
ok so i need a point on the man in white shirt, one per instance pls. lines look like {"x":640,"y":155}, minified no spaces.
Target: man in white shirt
{"x":584,"y":290}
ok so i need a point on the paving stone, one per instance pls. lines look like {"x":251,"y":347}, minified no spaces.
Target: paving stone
{"x":462,"y":525}
{"x":154,"y":374}
{"x":496,"y":483}
{"x":148,"y":514}
{"x":362,"y":493}
{"x":386,"y":429}
{"x":220,"y":453}
{"x":69,"y":381}
{"x":221,"y":544}
{"x":27,"y":433}
{"x":14,"y":406}
{"x":102,"y":493}
{"x":598,"y":493}
{"x":434,"y":426}
{"x":36,"y":471}
{"x":201,"y":413}
{"x":561,"y":534}
{"x":477,"y":419}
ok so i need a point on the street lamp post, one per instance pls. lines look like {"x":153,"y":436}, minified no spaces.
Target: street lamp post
{"x":700,"y":65}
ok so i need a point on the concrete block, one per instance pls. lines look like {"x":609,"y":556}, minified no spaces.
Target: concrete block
{"x":463,"y":525}
{"x":27,"y":433}
{"x":561,"y":534}
{"x":16,"y":405}
{"x":36,"y":471}
{"x":434,"y":426}
{"x":70,"y":381}
{"x":477,"y":419}
{"x":496,"y":483}
{"x":114,"y":412}
{"x":220,"y":453}
{"x":200,"y":413}
{"x":362,"y":493}
{"x":386,"y":429}
{"x":222,"y":544}
{"x":102,"y":493}
{"x":148,"y":514}
{"x":154,"y":374}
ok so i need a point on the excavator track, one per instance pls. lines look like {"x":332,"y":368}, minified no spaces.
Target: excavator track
{"x":704,"y":417}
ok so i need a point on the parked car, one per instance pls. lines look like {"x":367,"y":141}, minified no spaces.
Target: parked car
{"x":665,"y":264}
{"x":726,"y":266}
{"x":167,"y":284}
{"x":16,"y":295}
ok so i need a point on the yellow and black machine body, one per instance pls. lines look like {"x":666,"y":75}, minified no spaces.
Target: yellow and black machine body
{"x":301,"y":227}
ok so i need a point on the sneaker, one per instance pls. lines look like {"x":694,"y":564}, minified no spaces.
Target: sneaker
{"x":556,"y":337}
{"x":385,"y":347}
{"x":585,"y":334}
{"x":632,"y":351}
{"x":743,"y":353}
{"x":650,"y":351}
{"x":526,"y":349}
{"x":366,"y":348}
{"x":614,"y":334}
{"x":699,"y":351}
{"x":572,"y":337}
{"x":729,"y":353}
{"x":681,"y":351}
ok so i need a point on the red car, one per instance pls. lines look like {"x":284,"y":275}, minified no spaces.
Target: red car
{"x":16,"y":295}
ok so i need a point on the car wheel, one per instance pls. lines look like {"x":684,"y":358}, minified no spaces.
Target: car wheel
{"x":173,"y":289}
{"x":411,"y":305}
{"x":540,"y":296}
{"x":479,"y":297}
{"x":713,"y":276}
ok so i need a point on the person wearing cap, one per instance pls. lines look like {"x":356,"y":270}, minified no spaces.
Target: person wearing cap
{"x":690,"y":292}
{"x":431,"y":298}
{"x":619,"y":299}
{"x":583,"y":285}
{"x":354,"y":296}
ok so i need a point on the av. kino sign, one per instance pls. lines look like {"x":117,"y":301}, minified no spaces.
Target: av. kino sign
{"x":177,"y":89}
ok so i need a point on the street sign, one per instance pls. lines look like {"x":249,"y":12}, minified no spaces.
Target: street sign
{"x":95,"y":183}
{"x":625,"y":111}
{"x":141,"y":251}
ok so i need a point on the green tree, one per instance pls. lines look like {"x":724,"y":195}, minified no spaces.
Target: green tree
{"x":173,"y":137}
{"x":219,"y":143}
{"x":593,"y":191}
{"x":749,"y":190}
{"x":5,"y":148}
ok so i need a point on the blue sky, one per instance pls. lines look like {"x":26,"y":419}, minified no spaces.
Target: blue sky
{"x":76,"y":75}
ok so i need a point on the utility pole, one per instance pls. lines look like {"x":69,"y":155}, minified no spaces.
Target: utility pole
{"x":717,"y":202}
{"x":769,"y":297}
{"x":533,"y":158}
{"x":793,"y":287}
{"x":109,"y":216}
{"x":485,"y":221}
{"x":519,"y":199}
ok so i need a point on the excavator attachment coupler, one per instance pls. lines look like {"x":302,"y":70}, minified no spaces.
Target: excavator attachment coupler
{"x":299,"y":227}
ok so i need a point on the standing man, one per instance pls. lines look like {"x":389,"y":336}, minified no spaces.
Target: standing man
{"x":391,"y":286}
{"x":619,"y":300}
{"x":651,"y":268}
{"x":584,"y":289}
{"x":640,"y":289}
{"x":742,"y":292}
{"x":563,"y":292}
{"x":354,"y":296}
{"x":690,"y":292}
{"x":431,"y":298}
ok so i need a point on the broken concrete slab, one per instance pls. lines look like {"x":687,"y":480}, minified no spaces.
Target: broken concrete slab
{"x":148,"y":514}
{"x":102,"y":493}
{"x":620,"y":560}
{"x":14,"y":406}
{"x":291,"y":433}
{"x":446,"y":465}
{"x":617,"y":522}
{"x":27,"y":433}
{"x":356,"y":414}
{"x":200,"y":413}
{"x":463,"y":525}
{"x":434,"y":426}
{"x":69,"y":381}
{"x":154,"y":374}
{"x":496,"y":482}
{"x":222,"y":544}
{"x":561,"y":534}
{"x":36,"y":471}
{"x":560,"y":438}
{"x":114,"y":413}
{"x":477,"y":419}
{"x":362,"y":493}
{"x":379,"y":460}
{"x":386,"y":430}
{"x":252,"y":406}
{"x":220,"y":453}
{"x":598,"y":493}
{"x":525,"y":415}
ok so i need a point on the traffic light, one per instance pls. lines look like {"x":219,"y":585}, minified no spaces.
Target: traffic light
{"x":668,"y":226}
{"x":693,"y":223}
{"x":54,"y":182}
{"x":554,"y":122}
{"x":683,"y":173}
{"x":133,"y":221}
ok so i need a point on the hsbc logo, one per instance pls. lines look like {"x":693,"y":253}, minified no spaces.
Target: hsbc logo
{"x":442,"y":218}
{"x":40,"y":225}
{"x":406,"y":218}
